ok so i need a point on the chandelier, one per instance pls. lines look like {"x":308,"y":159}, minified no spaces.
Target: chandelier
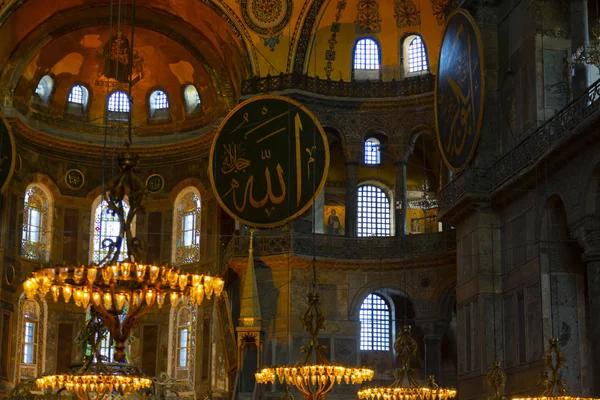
{"x":426,"y":203}
{"x":314,"y":381}
{"x":406,"y":349}
{"x":552,"y":387}
{"x":93,"y":375}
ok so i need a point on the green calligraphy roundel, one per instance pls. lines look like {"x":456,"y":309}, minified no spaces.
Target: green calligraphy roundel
{"x":459,"y":90}
{"x":8,"y":153}
{"x":269,"y":161}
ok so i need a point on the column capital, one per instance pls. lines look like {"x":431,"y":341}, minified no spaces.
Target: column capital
{"x":587,"y":232}
{"x":352,"y":153}
{"x":433,"y":328}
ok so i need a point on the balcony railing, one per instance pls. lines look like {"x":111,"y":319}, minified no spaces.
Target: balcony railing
{"x":340,"y":247}
{"x":527,"y":152}
{"x":360,"y":89}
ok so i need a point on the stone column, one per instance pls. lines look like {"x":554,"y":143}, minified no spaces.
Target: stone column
{"x":352,"y":161}
{"x":400,"y":206}
{"x":592,"y":260}
{"x":579,"y":37}
{"x":433,"y":332}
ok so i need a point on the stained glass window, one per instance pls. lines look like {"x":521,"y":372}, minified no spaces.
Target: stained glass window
{"x":366,"y":54}
{"x":185,"y":333}
{"x":187,"y":227}
{"x":107,"y":344}
{"x":106,"y":228}
{"x":36,"y":231}
{"x":417,"y":57}
{"x":372,"y":151}
{"x":374,"y":324}
{"x":30,"y":339}
{"x":374,"y":212}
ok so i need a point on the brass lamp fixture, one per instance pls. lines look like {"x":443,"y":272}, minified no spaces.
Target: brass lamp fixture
{"x":552,"y":387}
{"x":314,"y":381}
{"x":111,"y":285}
{"x":93,"y":375}
{"x":405,"y":386}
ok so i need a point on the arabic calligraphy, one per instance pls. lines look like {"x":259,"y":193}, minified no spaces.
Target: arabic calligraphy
{"x":459,"y":90}
{"x":264,"y":170}
{"x":74,"y":179}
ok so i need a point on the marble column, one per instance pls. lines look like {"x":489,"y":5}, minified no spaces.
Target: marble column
{"x":579,"y":37}
{"x":592,"y":260}
{"x":352,"y":161}
{"x":400,"y":206}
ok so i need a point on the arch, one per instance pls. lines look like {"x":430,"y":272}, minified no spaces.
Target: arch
{"x":118,"y":106}
{"x":105,"y":226}
{"x":186,"y":226}
{"x":191,"y":97}
{"x":375,"y":318}
{"x":366,"y":59}
{"x":78,"y":99}
{"x":414,"y":55}
{"x":372,"y":151}
{"x":375,"y":213}
{"x":44,"y":88}
{"x":36,"y":237}
{"x":31,"y":338}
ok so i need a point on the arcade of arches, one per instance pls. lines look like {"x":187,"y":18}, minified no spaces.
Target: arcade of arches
{"x":505,"y":256}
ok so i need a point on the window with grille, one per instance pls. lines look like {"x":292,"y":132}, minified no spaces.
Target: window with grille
{"x":372,"y":151}
{"x":158,"y":100}
{"x":35,"y":234}
{"x":417,"y":57}
{"x":375,"y":319}
{"x":28,"y":342}
{"x":76,"y":95}
{"x":366,"y":54}
{"x":186,"y":241}
{"x":374,"y":213}
{"x":106,"y":226}
{"x":185,"y":337}
{"x":118,"y":102}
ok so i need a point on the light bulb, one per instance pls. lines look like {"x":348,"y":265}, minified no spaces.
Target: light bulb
{"x":140,"y":272}
{"x":85,"y":298}
{"x":120,"y":301}
{"x":55,"y":291}
{"x":67,"y":292}
{"x":218,"y":286}
{"x":63,"y":273}
{"x":174,"y":297}
{"x":96,"y":299}
{"x":149,"y":297}
{"x":154,"y":271}
{"x":160,"y":299}
{"x":182,"y":282}
{"x":125,"y":269}
{"x":196,"y":280}
{"x":107,"y":301}
{"x":78,"y":274}
{"x":115,"y":271}
{"x":208,"y":286}
{"x":106,"y":275}
{"x":91,"y":275}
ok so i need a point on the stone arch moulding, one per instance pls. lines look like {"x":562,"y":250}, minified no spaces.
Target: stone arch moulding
{"x":301,"y":43}
{"x":377,"y":287}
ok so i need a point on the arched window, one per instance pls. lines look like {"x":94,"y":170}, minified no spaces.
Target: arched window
{"x":37,"y":217}
{"x":366,"y":59}
{"x":414,"y":52}
{"x":186,"y":219}
{"x":159,"y":105}
{"x":78,"y":99}
{"x":31,"y":338}
{"x":182,"y":343}
{"x":105,"y":226}
{"x":44,"y":88}
{"x":107,"y":344}
{"x":192,"y":99}
{"x":118,"y":106}
{"x":375,"y":321}
{"x":372,"y":151}
{"x":374,"y":211}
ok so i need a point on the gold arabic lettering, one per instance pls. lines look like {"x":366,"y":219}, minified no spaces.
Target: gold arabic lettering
{"x":297,"y":131}
{"x":248,"y":191}
{"x":310,"y":158}
{"x":232,"y":162}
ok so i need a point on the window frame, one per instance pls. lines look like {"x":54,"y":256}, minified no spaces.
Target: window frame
{"x":373,"y":344}
{"x":405,"y":54}
{"x":379,"y":58}
{"x":115,"y":115}
{"x":74,"y":109}
{"x":44,"y":229}
{"x":158,"y":115}
{"x":97,"y":203}
{"x":33,"y":311}
{"x":178,"y":244}
{"x":378,"y":156}
{"x":46,"y":97}
{"x":390,"y":198}
{"x":189,"y":109}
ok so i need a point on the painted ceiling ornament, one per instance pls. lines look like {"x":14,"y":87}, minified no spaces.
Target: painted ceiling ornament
{"x":267,"y":18}
{"x":368,"y":19}
{"x":335,"y":29}
{"x":441,"y":9}
{"x":406,"y":13}
{"x":117,"y":58}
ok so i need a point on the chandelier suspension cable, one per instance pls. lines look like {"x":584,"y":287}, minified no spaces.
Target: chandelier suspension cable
{"x":130,"y":80}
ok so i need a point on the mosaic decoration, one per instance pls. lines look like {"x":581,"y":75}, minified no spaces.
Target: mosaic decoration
{"x":304,"y":37}
{"x":118,"y":60}
{"x":368,"y":20}
{"x":406,"y":13}
{"x":268,"y":161}
{"x":7,"y":153}
{"x":267,"y":18}
{"x":36,"y":215}
{"x":187,"y":244}
{"x":335,"y":29}
{"x":334,"y":219}
{"x":74,"y":179}
{"x":459,"y":91}
{"x":155,"y":183}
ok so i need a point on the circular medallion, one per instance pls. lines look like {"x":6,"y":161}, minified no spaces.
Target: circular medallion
{"x":74,"y":179}
{"x":7,"y":153}
{"x":9,"y":277}
{"x":18,"y":163}
{"x":459,"y":90}
{"x":155,"y":183}
{"x":268,"y":161}
{"x":266,"y":17}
